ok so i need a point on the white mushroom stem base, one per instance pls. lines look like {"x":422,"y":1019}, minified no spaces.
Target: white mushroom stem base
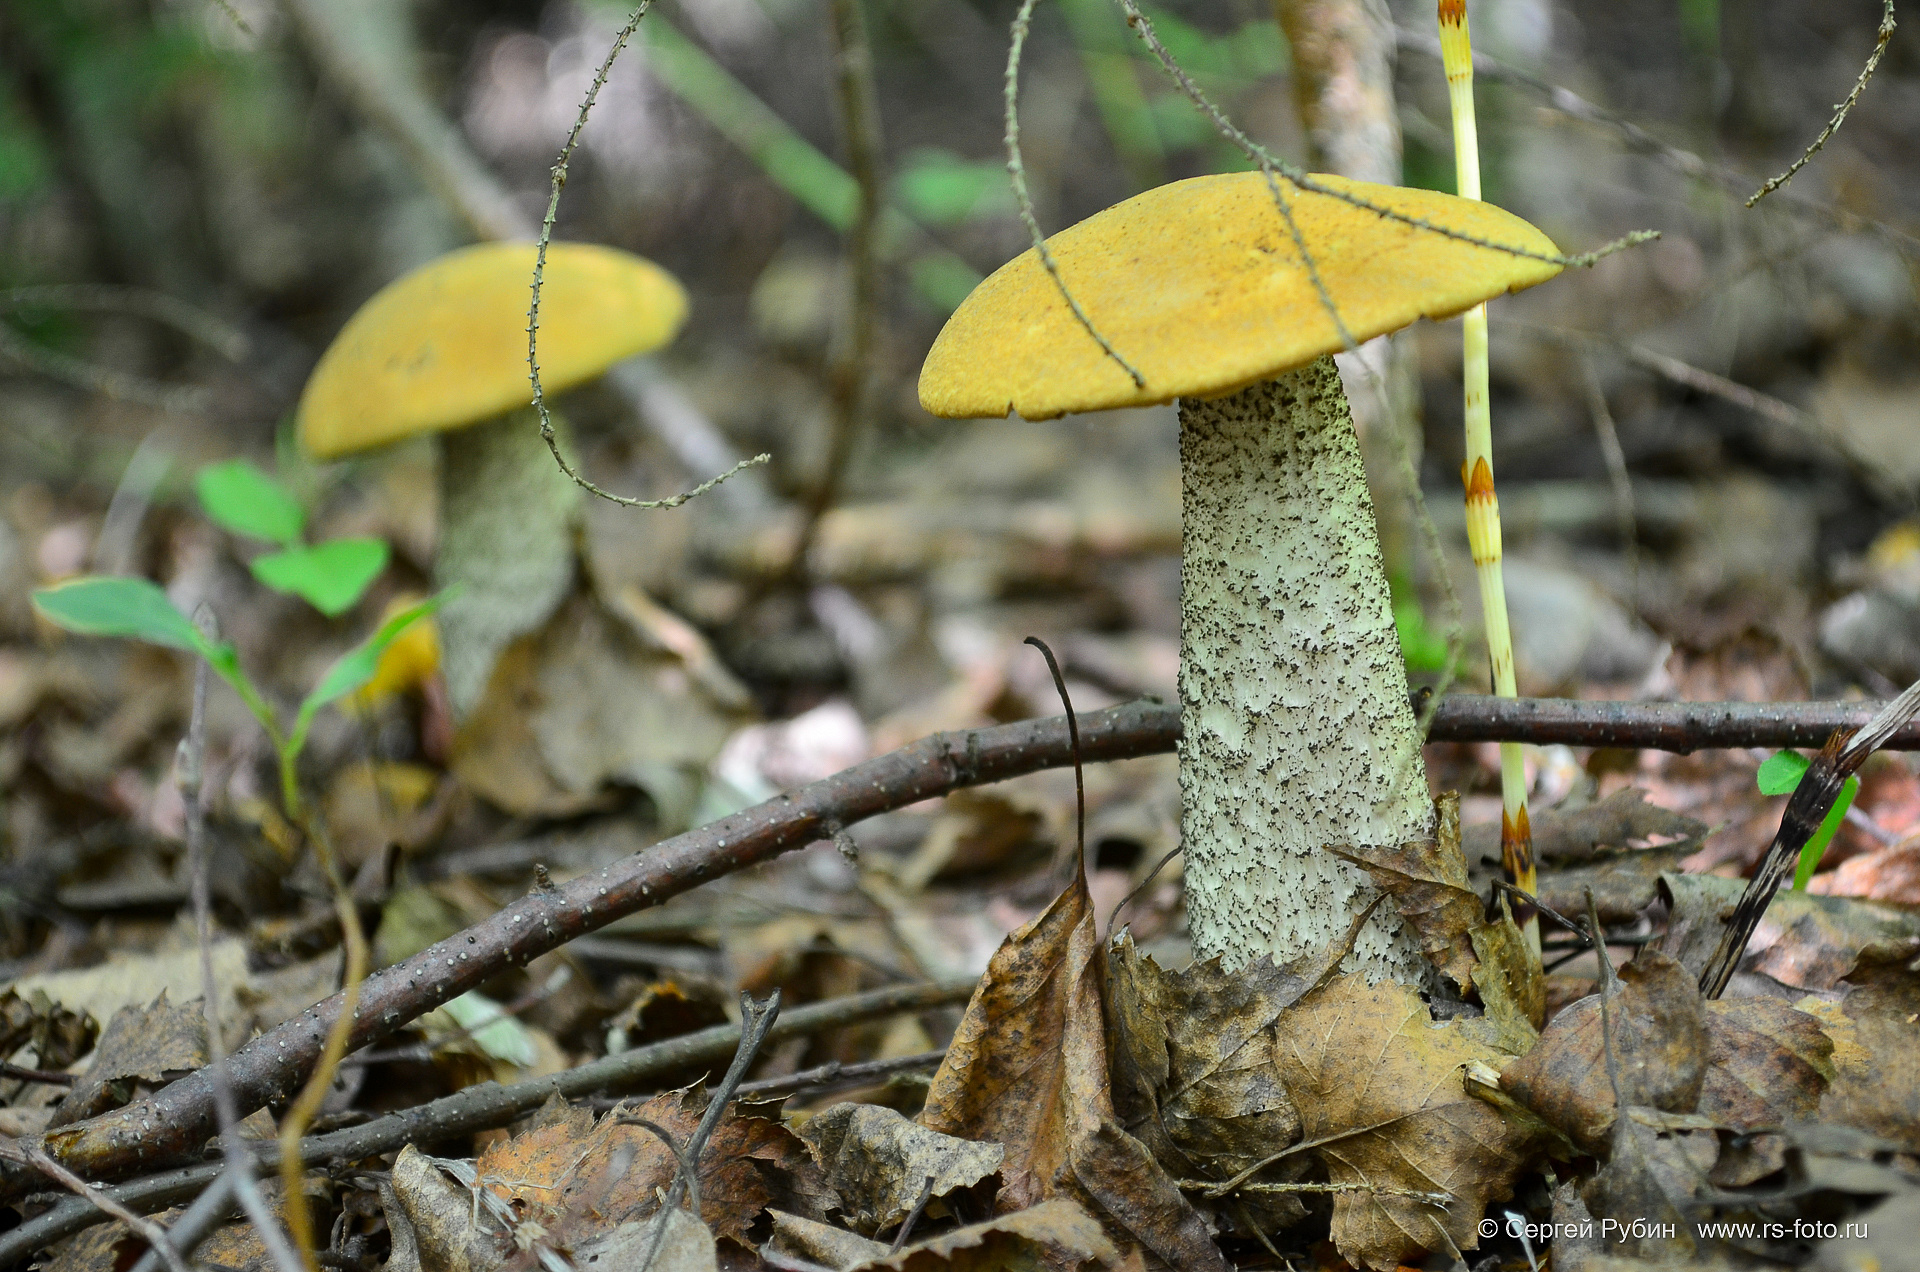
{"x":506,"y":542}
{"x":1298,"y":729}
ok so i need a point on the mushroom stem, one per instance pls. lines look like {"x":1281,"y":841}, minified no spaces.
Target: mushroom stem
{"x":1298,"y":730}
{"x":506,"y":542}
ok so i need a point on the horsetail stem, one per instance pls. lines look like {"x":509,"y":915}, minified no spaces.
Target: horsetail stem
{"x":1476,"y":472}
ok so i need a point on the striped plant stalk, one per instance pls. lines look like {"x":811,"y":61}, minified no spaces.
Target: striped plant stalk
{"x":1476,"y":471}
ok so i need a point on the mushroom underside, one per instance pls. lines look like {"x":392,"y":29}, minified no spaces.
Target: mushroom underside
{"x":1298,"y":731}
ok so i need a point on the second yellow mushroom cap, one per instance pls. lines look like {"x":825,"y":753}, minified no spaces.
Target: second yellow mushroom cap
{"x":446,"y":345}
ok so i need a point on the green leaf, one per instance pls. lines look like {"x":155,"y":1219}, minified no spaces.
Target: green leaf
{"x":1781,"y":773}
{"x":331,"y":576}
{"x":495,"y":1032}
{"x":1423,"y":648}
{"x":134,"y":608}
{"x":241,"y":498}
{"x":1816,"y":847}
{"x":139,"y":610}
{"x":940,"y":187}
{"x":356,"y":667}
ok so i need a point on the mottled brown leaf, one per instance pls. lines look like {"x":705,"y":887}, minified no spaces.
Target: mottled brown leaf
{"x":1056,"y":1234}
{"x":1809,"y":941}
{"x":1620,"y":820}
{"x":1659,"y":1033}
{"x":1029,"y":1061}
{"x":576,"y":1176}
{"x":1511,"y":986}
{"x":881,"y":1164}
{"x":1766,"y":1064}
{"x":1193,"y":1068}
{"x":821,"y":1243}
{"x":1427,"y":879}
{"x":1383,"y":1105}
{"x":1027,"y":1069}
{"x":140,"y":1044}
{"x":1875,"y":1031}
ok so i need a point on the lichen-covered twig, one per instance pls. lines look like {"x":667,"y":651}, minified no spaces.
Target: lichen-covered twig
{"x":1840,"y":112}
{"x":620,"y":41}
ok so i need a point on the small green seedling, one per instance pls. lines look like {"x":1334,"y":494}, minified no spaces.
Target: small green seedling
{"x":1781,"y":775}
{"x":330,"y":576}
{"x":138,"y":610}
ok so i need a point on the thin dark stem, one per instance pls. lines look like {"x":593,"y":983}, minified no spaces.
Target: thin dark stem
{"x":757,"y":1017}
{"x":1017,"y":176}
{"x":1073,"y":741}
{"x":913,"y":1217}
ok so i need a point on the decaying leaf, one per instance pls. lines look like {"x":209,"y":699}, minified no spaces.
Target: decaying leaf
{"x":1659,"y":1045}
{"x":1193,"y":1065}
{"x":821,"y":1243}
{"x":1427,"y":879}
{"x":1807,"y":941}
{"x":574,"y":1182}
{"x":1056,"y":1234}
{"x":686,"y":1246}
{"x":1511,"y":986}
{"x":1027,"y":1069}
{"x":1652,"y":1179}
{"x":1564,"y":836}
{"x":585,"y":701}
{"x":1767,"y":1064}
{"x":150,"y":1045}
{"x":577,"y":1175}
{"x":1875,"y":1032}
{"x":1383,"y":1107}
{"x":58,"y":1036}
{"x":881,"y":1164}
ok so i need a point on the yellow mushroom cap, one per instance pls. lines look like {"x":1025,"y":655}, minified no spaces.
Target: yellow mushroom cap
{"x":446,"y":345}
{"x":1200,"y":286}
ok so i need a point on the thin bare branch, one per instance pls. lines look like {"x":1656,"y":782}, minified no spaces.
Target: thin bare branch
{"x":620,"y":41}
{"x":1840,"y":112}
{"x":1017,"y":175}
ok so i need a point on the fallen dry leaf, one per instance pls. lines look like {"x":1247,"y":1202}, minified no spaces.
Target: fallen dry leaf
{"x":1659,"y":1039}
{"x":577,"y":1176}
{"x":1875,"y":1031}
{"x":1807,"y":941}
{"x":1565,"y":836}
{"x":821,"y":1243}
{"x":149,"y":1045}
{"x":1766,"y":1064}
{"x":1027,"y":1069}
{"x":1054,"y":1235}
{"x":1511,"y":986}
{"x":1427,"y":880}
{"x":58,"y":1036}
{"x":1383,"y":1107}
{"x":882,"y":1165}
{"x":1193,"y":1066}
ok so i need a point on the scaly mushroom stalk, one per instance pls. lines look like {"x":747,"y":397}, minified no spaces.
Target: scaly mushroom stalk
{"x":1297,"y":729}
{"x":1476,"y":471}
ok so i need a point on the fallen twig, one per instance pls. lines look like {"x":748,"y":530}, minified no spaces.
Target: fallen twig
{"x":489,"y":1105}
{"x":179,"y":1119}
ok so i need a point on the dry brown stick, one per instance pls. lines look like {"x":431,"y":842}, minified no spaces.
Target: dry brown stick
{"x":179,"y":1119}
{"x":490,"y":1105}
